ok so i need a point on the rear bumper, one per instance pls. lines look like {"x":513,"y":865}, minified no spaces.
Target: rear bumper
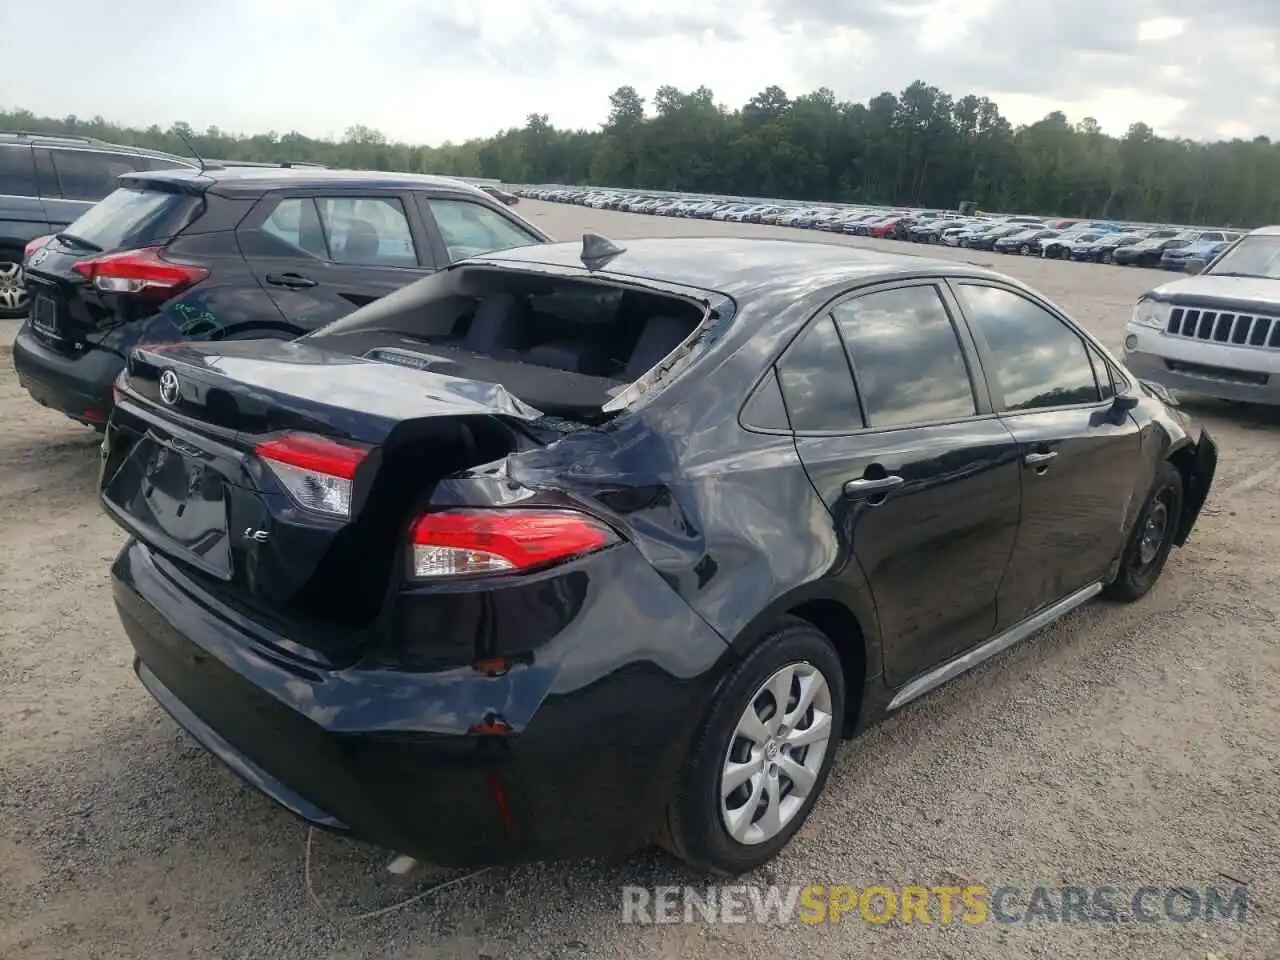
{"x":78,"y":385}
{"x":599,"y":722}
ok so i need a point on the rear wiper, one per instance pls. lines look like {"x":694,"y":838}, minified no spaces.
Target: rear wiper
{"x":71,"y":240}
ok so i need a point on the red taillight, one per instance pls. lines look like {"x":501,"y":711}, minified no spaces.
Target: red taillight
{"x":318,"y":472}
{"x":34,"y":245}
{"x":454,"y":543}
{"x":139,"y":271}
{"x":118,"y":392}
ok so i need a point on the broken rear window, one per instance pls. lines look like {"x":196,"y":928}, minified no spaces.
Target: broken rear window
{"x":557,"y":343}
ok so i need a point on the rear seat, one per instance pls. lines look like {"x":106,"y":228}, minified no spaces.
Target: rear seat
{"x":501,"y":326}
{"x":498,"y":325}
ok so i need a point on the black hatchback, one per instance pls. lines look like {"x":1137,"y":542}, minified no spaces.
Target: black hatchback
{"x":233,"y":253}
{"x":560,"y":551}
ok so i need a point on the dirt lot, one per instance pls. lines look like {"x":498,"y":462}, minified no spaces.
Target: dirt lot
{"x":1127,"y":746}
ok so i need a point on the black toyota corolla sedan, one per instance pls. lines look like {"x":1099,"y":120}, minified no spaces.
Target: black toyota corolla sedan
{"x":571,"y":548}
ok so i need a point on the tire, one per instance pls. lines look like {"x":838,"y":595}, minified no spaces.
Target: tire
{"x":13,"y":292}
{"x":1143,"y":560}
{"x":696,"y":830}
{"x":1023,"y":250}
{"x":1106,"y":256}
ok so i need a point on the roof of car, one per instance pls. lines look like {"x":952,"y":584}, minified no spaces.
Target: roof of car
{"x":256,"y":180}
{"x":739,"y":266}
{"x":71,"y":142}
{"x":1271,"y":231}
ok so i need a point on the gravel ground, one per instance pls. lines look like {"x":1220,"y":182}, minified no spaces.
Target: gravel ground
{"x":1125,"y":746}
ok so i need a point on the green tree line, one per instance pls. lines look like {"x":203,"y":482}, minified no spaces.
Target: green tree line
{"x":921,"y":147}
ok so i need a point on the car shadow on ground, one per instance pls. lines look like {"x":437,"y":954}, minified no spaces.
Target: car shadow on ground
{"x":1248,"y":416}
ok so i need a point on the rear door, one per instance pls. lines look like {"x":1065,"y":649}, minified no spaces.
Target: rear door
{"x":1081,"y":461}
{"x":921,"y":480}
{"x":22,"y":216}
{"x":321,"y":254}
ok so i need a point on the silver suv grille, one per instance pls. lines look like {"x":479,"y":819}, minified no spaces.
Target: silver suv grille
{"x":1221,"y":326}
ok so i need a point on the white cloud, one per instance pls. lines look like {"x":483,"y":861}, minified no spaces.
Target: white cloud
{"x":431,"y":70}
{"x":1161,"y":28}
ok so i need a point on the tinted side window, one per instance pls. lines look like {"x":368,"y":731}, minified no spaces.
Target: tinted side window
{"x":45,"y":174}
{"x":1038,"y":360}
{"x":906,"y":356}
{"x":469,"y":229}
{"x":1102,"y":373}
{"x":295,"y":222}
{"x":372,"y":231}
{"x":816,"y":384}
{"x":85,"y":175}
{"x":765,"y":410}
{"x":18,"y":172}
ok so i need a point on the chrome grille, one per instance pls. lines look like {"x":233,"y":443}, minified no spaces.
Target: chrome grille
{"x":1224,"y":326}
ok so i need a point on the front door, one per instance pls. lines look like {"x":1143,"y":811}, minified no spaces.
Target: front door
{"x":921,"y":482}
{"x":321,"y":257}
{"x":1080,"y":457}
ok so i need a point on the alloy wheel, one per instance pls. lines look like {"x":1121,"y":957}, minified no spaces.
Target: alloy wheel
{"x":1155,"y":530}
{"x":775,"y":753}
{"x":13,"y":290}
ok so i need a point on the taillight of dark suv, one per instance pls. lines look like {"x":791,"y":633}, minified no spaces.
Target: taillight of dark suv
{"x":143,"y":272}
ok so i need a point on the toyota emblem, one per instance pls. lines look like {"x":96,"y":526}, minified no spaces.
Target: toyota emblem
{"x":169,"y":387}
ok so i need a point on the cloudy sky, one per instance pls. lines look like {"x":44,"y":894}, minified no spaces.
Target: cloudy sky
{"x":434,"y":70}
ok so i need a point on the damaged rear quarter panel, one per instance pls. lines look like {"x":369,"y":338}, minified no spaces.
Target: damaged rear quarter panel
{"x":726,"y":516}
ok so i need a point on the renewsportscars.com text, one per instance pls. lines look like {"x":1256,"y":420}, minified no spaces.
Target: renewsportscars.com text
{"x":973,"y":904}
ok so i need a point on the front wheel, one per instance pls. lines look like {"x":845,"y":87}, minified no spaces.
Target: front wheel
{"x":762,"y":756}
{"x":1151,"y":539}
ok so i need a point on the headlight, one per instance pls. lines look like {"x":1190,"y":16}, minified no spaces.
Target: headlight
{"x":1149,"y":313}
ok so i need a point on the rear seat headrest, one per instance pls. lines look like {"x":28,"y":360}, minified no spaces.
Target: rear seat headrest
{"x":659,"y":337}
{"x":498,"y":324}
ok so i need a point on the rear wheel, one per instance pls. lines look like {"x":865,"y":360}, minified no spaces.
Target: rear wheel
{"x":1151,"y":539}
{"x":762,"y":756}
{"x":13,"y":289}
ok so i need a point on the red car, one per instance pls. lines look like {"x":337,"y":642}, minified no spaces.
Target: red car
{"x":886,"y":228}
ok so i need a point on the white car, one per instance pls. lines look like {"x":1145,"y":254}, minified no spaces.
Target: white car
{"x":1216,"y":333}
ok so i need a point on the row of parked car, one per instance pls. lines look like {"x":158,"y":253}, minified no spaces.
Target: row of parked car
{"x":1094,"y":241}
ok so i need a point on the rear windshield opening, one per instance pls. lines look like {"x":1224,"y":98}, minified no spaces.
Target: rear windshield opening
{"x":562,"y":345}
{"x":129,"y":218}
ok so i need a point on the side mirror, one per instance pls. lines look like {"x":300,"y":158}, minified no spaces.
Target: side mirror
{"x":1196,"y":265}
{"x":1124,"y":402}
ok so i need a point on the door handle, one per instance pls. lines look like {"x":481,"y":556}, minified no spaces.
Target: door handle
{"x":853,"y":489}
{"x":1036,"y":459}
{"x":293,"y":281}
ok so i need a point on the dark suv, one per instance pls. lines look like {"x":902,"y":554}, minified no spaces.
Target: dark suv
{"x":233,"y":253}
{"x":46,"y":182}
